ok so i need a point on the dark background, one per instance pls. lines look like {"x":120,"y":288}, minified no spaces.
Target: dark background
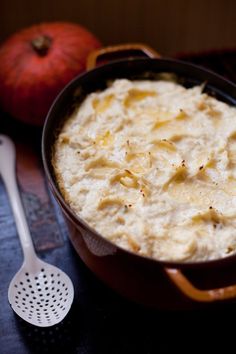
{"x":170,"y":26}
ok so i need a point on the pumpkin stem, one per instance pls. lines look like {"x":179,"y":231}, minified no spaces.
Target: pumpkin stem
{"x":41,"y":44}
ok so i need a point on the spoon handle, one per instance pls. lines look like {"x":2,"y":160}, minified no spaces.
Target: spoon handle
{"x":7,"y":171}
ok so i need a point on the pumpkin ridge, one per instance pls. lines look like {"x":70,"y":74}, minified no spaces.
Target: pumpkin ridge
{"x":75,"y":60}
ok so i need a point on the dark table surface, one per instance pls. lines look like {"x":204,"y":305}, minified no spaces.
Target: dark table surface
{"x":100,"y":321}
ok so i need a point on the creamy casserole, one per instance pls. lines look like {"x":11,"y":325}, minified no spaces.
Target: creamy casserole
{"x":151,"y":166}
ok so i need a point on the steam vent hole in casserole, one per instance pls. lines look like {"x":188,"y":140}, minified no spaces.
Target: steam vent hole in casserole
{"x":151,"y":165}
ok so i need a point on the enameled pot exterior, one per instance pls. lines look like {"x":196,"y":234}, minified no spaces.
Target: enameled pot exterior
{"x":165,"y":285}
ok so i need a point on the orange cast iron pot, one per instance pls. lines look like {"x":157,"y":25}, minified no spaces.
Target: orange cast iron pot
{"x":164,"y":285}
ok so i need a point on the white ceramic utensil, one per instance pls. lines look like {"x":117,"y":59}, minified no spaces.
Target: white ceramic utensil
{"x":39,"y":293}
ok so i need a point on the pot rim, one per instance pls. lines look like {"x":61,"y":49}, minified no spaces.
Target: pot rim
{"x":224,"y":261}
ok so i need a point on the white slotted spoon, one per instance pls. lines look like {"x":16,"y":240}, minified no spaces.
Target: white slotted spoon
{"x":39,"y":293}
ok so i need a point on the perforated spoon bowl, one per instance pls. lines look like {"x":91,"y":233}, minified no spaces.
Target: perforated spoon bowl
{"x":39,"y":293}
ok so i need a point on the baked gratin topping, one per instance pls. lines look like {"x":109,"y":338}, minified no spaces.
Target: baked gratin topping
{"x":151,"y":165}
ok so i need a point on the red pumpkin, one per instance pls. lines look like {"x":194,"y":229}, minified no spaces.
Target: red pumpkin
{"x":36,"y":63}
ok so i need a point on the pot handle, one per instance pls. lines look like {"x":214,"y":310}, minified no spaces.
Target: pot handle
{"x":126,"y":50}
{"x":189,"y":290}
